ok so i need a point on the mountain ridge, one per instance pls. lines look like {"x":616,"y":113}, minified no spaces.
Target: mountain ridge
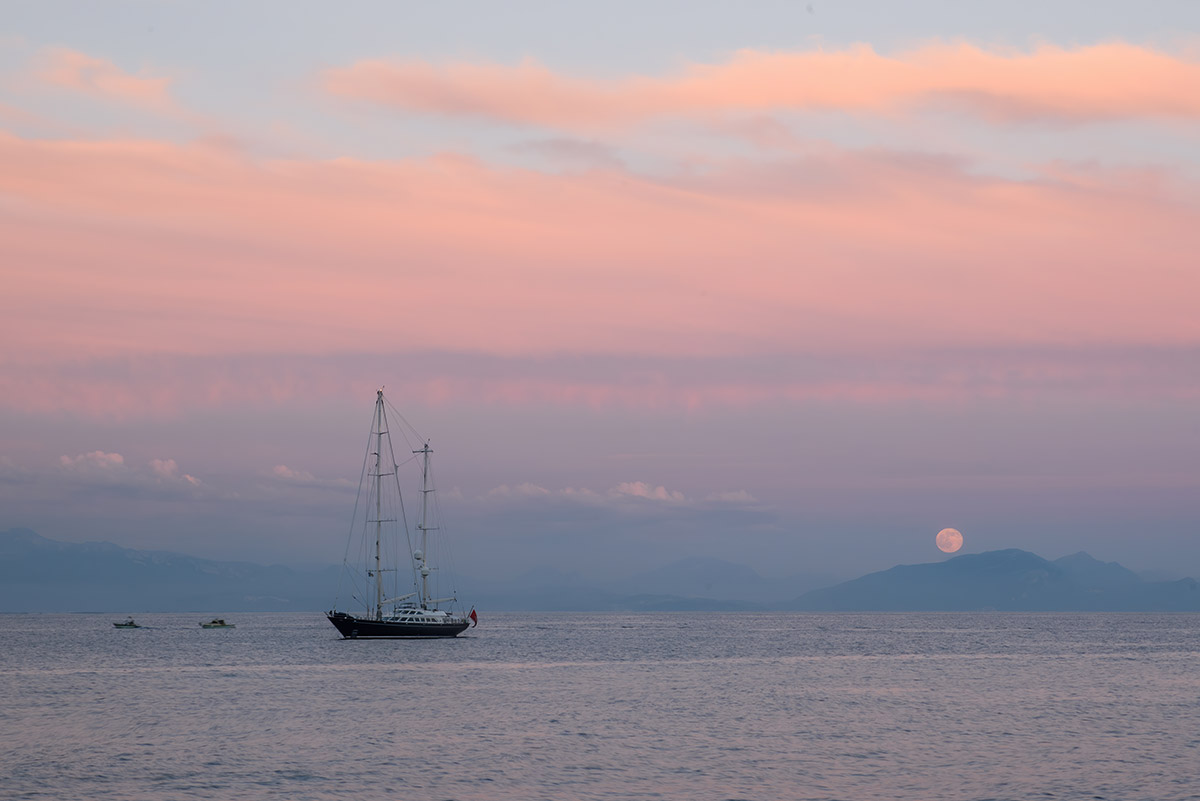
{"x":43,"y":575}
{"x":1005,"y":580}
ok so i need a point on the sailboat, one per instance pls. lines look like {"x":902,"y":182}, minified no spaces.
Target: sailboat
{"x":384,"y":540}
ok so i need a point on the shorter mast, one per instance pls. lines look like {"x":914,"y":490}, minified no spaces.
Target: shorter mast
{"x":424,"y":527}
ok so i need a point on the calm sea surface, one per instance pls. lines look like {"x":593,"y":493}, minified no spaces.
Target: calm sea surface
{"x":606,"y":706}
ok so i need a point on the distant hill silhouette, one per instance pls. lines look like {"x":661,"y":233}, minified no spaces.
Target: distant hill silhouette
{"x":43,"y":575}
{"x":1008,"y":580}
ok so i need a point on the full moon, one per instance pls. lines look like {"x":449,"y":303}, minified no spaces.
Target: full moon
{"x":949,"y":540}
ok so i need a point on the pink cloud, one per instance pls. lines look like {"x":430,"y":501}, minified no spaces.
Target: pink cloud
{"x":164,"y":468}
{"x":168,"y":386}
{"x":640,"y":489}
{"x":98,"y":460}
{"x":1104,"y":81}
{"x":617,"y":494}
{"x":71,"y":69}
{"x":104,"y":469}
{"x":288,"y":474}
{"x":127,"y":252}
{"x":168,"y":470}
{"x":306,"y":479}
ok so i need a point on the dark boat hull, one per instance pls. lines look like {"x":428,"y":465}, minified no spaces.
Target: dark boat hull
{"x":357,"y":628}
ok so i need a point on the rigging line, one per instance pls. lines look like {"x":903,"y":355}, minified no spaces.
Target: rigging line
{"x":443,"y":538}
{"x":400,"y":497}
{"x":444,"y":541}
{"x":354,"y":517}
{"x":411,"y":428}
{"x":441,"y":544}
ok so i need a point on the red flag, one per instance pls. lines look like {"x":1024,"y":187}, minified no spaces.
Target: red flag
{"x":474,"y":618}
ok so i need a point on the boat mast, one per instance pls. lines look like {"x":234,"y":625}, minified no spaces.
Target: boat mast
{"x":378,"y":508}
{"x":423,"y":525}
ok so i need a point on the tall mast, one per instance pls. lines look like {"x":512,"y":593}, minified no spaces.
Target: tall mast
{"x":423,"y":526}
{"x":378,"y":507}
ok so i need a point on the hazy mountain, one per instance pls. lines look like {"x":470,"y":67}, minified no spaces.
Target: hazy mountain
{"x":1010,"y":580}
{"x":42,"y":575}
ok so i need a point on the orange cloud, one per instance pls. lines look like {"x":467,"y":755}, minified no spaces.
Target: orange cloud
{"x":71,"y":69}
{"x":1105,"y":81}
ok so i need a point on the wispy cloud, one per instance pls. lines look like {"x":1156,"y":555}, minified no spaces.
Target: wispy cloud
{"x":167,"y":469}
{"x":113,"y":469}
{"x":170,"y":386}
{"x":136,"y":248}
{"x":95,"y":460}
{"x":288,"y":474}
{"x":71,"y":69}
{"x":640,"y":489}
{"x":618,"y":494}
{"x":1049,"y":83}
{"x":304,"y":478}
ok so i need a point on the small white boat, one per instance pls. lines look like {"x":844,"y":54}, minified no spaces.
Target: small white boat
{"x":217,"y":623}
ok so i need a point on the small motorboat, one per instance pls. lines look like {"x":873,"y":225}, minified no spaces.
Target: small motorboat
{"x":127,"y":623}
{"x":217,"y":623}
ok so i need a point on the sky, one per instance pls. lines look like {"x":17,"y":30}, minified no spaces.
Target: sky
{"x":794,"y":285}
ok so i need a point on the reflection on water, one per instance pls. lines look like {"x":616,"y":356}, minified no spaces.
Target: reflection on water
{"x":753,"y":706}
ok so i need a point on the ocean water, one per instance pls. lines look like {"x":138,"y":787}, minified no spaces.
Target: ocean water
{"x":605,"y":706}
